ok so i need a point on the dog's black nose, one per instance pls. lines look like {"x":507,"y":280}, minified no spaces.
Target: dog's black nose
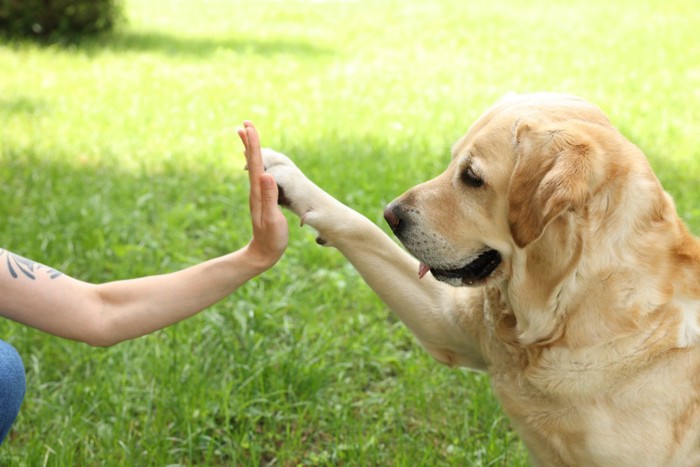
{"x":394,"y":216}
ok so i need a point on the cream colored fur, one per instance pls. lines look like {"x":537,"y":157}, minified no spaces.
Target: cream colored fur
{"x":590,"y":326}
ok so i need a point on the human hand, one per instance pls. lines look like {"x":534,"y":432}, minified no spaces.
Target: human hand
{"x":270,"y":230}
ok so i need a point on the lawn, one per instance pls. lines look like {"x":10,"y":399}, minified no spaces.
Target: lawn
{"x":119,"y":159}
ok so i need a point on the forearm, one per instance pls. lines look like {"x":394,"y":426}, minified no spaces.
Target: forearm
{"x":109,"y":313}
{"x":135,"y":307}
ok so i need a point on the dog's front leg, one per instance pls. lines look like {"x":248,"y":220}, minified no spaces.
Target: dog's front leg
{"x":448,"y":326}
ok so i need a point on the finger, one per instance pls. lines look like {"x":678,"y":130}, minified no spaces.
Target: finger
{"x":242,"y":132}
{"x":255,"y":169}
{"x":251,"y":135}
{"x":246,"y":125}
{"x":253,"y":153}
{"x":244,"y":138}
{"x":270,"y":194}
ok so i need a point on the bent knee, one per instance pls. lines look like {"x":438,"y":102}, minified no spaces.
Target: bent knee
{"x":12,"y":379}
{"x":13,"y":386}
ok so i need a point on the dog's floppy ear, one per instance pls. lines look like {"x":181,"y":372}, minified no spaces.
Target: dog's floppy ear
{"x":554,"y":173}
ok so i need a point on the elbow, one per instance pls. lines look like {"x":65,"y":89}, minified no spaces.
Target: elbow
{"x":446,"y":357}
{"x":98,"y":341}
{"x":98,"y":333}
{"x":99,"y":325}
{"x":98,"y":338}
{"x":453,"y":359}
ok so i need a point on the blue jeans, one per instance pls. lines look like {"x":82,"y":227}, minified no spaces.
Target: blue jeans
{"x":12,"y":387}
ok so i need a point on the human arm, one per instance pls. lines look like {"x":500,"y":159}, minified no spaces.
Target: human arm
{"x":105,"y":314}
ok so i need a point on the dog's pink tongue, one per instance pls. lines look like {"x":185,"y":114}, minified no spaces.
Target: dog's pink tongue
{"x":423,"y":270}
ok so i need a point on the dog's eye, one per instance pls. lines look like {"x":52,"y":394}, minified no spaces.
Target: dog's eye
{"x":471,"y":179}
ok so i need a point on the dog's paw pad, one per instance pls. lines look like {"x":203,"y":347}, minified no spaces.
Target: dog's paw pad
{"x":282,"y":200}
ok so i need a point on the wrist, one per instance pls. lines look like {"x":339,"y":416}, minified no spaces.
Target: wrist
{"x":259,"y":261}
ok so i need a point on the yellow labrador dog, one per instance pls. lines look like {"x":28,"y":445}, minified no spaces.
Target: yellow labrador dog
{"x":549,"y":256}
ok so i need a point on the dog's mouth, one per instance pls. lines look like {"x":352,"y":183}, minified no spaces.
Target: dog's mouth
{"x":473,"y":273}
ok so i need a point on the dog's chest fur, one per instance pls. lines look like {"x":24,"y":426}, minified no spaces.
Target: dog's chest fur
{"x":612,"y":404}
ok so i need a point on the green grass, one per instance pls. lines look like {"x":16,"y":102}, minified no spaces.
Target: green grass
{"x":119,"y":159}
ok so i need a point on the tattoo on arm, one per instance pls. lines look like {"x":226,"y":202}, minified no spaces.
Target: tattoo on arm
{"x":26,"y":267}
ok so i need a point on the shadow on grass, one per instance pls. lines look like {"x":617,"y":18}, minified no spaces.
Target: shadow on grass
{"x":199,"y":46}
{"x":22,"y":105}
{"x":183,"y":45}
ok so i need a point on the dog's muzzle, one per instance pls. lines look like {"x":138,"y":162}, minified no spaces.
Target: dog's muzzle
{"x":473,"y":273}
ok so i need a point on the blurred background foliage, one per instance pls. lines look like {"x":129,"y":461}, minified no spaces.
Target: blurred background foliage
{"x":58,"y":20}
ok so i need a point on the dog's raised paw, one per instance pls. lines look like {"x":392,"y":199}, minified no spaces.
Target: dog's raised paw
{"x":315,"y":207}
{"x":272,"y":158}
{"x":296,"y":192}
